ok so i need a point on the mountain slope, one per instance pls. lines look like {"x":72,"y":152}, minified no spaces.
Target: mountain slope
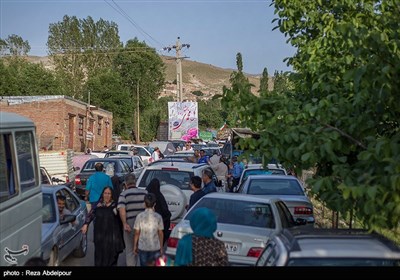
{"x":196,"y":76}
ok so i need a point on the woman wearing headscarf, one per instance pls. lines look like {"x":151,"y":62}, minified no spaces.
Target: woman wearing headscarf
{"x":161,"y":206}
{"x":201,"y":248}
{"x":107,"y":232}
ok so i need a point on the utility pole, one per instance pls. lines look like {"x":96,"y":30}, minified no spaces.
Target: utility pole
{"x":138,"y":115}
{"x":178,"y":47}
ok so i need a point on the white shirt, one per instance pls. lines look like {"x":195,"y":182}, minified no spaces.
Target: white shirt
{"x":155,"y":155}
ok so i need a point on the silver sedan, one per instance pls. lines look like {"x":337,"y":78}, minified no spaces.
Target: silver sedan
{"x":244,"y":223}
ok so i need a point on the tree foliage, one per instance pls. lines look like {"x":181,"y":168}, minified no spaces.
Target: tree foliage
{"x":142,"y":71}
{"x":19,"y":77}
{"x":210,"y":114}
{"x":80,"y":47}
{"x":14,"y":45}
{"x":107,"y":92}
{"x":342,"y":115}
{"x":264,"y":81}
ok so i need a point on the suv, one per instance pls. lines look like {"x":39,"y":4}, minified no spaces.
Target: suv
{"x":174,"y":177}
{"x":329,"y":247}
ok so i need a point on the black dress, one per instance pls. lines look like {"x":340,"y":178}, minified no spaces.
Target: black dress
{"x":108,"y":236}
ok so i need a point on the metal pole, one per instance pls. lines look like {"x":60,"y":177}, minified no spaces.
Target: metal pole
{"x":179,"y":69}
{"x":138,"y":115}
{"x":178,"y":58}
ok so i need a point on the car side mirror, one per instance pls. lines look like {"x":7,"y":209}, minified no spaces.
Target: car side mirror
{"x":68,"y":219}
{"x":76,"y":168}
{"x":300,"y":222}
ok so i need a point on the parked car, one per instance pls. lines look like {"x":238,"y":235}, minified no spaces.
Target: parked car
{"x":288,"y":188}
{"x":244,"y":223}
{"x":121,"y":169}
{"x":143,"y":151}
{"x":135,"y":163}
{"x":210,"y":151}
{"x":329,"y":247}
{"x":166,"y":147}
{"x":60,"y":238}
{"x":116,"y":153}
{"x":259,"y":169}
{"x":174,"y":177}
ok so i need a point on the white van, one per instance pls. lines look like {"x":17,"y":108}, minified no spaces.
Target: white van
{"x":20,"y":191}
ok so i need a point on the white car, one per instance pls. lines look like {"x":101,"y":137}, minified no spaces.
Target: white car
{"x":259,"y":169}
{"x":143,"y":151}
{"x":244,"y":223}
{"x":174,"y":177}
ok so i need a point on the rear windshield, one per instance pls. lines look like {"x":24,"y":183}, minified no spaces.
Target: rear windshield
{"x":274,"y":187}
{"x":249,"y":172}
{"x":180,"y":179}
{"x":238,"y":212}
{"x":89,"y":165}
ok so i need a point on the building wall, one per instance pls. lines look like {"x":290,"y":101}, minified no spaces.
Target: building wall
{"x":57,"y":122}
{"x":162,"y":131}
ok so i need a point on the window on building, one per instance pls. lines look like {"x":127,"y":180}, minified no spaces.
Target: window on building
{"x":99,"y":125}
{"x":80,"y":126}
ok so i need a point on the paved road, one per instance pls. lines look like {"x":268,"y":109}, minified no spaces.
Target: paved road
{"x":88,"y":260}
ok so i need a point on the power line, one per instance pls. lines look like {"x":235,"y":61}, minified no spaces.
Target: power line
{"x":118,"y":9}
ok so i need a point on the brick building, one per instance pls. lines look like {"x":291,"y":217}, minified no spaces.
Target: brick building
{"x":63,"y":122}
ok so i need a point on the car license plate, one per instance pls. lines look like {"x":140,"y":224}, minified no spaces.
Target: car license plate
{"x":231,"y":247}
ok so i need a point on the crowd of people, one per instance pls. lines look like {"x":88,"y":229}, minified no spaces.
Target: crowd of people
{"x":137,"y":221}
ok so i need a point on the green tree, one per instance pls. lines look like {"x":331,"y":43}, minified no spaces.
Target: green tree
{"x":100,"y":42}
{"x":107,"y":92}
{"x":142,"y":71}
{"x":151,"y":117}
{"x":79,"y":47}
{"x":14,"y":45}
{"x":264,"y":82}
{"x":210,"y":114}
{"x":3,"y":47}
{"x":19,"y":77}
{"x":342,"y":115}
{"x":240,"y":86}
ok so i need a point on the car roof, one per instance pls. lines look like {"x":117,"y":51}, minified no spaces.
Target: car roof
{"x":246,"y":197}
{"x":104,"y":159}
{"x":124,"y":156}
{"x":181,"y":165}
{"x":260,"y":166}
{"x":339,"y":243}
{"x":49,"y":189}
{"x":269,"y":177}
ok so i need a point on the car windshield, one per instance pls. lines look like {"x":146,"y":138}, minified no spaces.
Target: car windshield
{"x":274,"y":187}
{"x":238,"y":212}
{"x":48,"y":209}
{"x":342,"y":262}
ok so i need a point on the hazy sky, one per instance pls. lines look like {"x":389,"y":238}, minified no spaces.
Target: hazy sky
{"x":215,"y":29}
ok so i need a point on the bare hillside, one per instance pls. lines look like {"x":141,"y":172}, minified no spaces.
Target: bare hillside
{"x":197,"y":76}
